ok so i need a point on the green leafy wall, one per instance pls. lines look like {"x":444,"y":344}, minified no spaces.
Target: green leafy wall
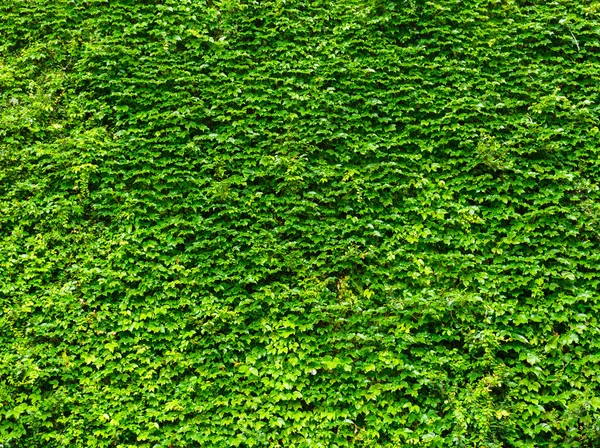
{"x":299,"y":224}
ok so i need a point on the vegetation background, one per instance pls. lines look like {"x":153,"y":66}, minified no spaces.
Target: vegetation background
{"x":299,"y":223}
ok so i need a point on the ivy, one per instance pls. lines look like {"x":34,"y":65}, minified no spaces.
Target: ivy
{"x":288,"y":223}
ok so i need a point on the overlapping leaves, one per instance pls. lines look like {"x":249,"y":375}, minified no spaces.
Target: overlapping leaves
{"x":299,"y":224}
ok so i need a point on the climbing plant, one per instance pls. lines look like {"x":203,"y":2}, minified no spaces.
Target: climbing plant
{"x":298,"y":223}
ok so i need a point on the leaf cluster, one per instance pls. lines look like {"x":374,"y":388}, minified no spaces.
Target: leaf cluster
{"x":299,"y":223}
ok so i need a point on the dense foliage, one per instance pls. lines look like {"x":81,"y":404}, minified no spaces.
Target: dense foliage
{"x":292,"y":223}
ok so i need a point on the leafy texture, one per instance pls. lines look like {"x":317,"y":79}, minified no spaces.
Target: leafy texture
{"x":292,"y":223}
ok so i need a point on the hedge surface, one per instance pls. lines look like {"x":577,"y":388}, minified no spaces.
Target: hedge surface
{"x":289,"y":223}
